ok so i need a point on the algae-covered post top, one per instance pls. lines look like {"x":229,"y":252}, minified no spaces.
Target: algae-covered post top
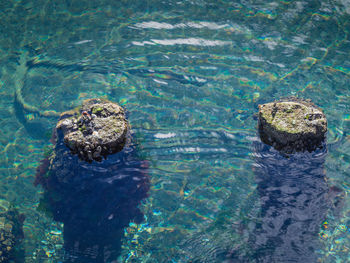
{"x":95,"y":129}
{"x":292,"y":125}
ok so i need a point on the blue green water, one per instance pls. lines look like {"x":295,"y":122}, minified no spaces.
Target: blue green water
{"x":190,"y":75}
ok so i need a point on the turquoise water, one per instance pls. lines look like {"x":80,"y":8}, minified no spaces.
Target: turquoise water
{"x":190,"y":74}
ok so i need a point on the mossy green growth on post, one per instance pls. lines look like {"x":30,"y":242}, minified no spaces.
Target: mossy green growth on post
{"x":292,"y":125}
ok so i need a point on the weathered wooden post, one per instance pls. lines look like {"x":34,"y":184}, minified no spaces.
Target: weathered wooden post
{"x":292,"y":125}
{"x":292,"y":186}
{"x":291,"y":181}
{"x":94,"y":180}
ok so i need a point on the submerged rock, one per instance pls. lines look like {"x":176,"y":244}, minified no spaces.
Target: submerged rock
{"x":95,"y":129}
{"x":292,"y":125}
{"x":11,"y":233}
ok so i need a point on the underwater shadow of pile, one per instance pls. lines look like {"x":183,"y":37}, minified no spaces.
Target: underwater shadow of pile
{"x":295,"y":199}
{"x":283,"y":222}
{"x":95,"y":201}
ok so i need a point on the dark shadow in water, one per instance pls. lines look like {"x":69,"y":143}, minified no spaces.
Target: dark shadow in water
{"x":37,"y":128}
{"x":95,"y":201}
{"x":295,"y":198}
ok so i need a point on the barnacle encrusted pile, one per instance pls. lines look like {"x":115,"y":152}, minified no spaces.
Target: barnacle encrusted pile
{"x":95,"y":129}
{"x":292,"y":125}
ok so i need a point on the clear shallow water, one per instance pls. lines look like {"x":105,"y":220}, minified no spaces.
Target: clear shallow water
{"x":190,"y":74}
